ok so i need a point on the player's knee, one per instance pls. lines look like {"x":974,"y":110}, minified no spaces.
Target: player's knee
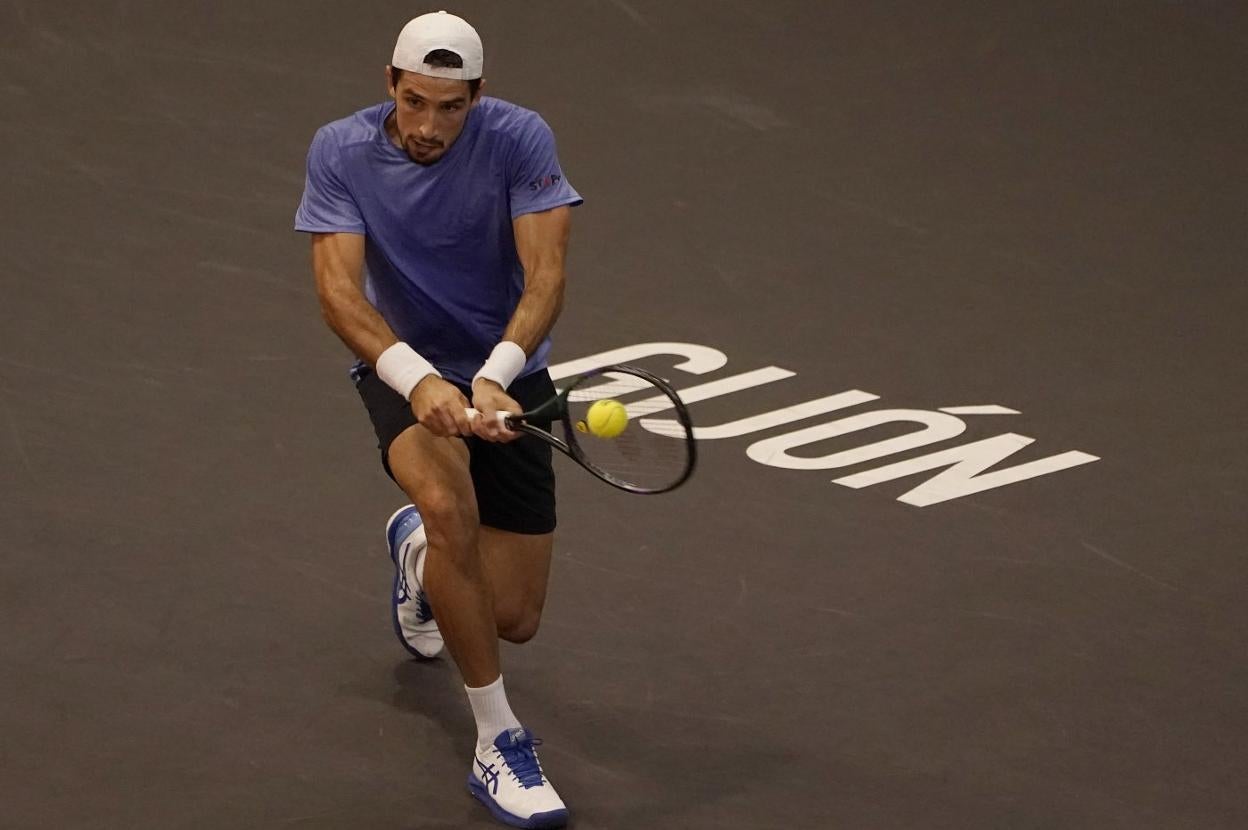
{"x":446,"y":517}
{"x":520,"y":631}
{"x":521,"y":626}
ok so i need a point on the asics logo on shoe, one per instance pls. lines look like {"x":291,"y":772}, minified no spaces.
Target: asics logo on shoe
{"x":424,"y":610}
{"x":401,"y":593}
{"x":488,"y":776}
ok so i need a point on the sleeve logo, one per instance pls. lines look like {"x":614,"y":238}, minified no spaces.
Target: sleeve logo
{"x":545,"y":182}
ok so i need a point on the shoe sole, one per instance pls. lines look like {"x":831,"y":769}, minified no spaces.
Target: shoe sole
{"x":537,"y":821}
{"x":391,"y":524}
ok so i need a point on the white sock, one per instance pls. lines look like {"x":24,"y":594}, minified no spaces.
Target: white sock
{"x":492,"y":712}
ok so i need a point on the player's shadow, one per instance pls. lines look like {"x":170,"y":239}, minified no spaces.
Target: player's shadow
{"x":433,"y":690}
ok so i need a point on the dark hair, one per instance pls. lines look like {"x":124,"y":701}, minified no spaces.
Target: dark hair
{"x":443,"y":58}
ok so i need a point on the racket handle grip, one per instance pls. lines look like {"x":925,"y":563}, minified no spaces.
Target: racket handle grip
{"x":473,"y":414}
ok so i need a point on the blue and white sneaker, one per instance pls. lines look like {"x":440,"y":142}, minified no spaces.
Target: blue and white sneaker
{"x":507,"y":777}
{"x":413,"y":617}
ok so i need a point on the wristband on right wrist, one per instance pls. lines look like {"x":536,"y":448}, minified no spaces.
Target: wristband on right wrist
{"x":401,"y":368}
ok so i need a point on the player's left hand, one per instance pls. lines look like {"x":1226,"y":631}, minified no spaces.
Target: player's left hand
{"x":489,"y":399}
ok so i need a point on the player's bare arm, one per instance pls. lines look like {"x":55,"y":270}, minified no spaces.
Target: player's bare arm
{"x":542,"y":245}
{"x":338,"y":262}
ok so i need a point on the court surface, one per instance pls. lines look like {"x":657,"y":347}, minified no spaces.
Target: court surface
{"x":1034,"y":208}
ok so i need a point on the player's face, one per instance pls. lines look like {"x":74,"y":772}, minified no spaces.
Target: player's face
{"x":429,"y":114}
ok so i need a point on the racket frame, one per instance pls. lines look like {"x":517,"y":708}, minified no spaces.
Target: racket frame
{"x":556,"y":409}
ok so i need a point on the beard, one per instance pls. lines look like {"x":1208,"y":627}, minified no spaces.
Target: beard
{"x":424,"y":152}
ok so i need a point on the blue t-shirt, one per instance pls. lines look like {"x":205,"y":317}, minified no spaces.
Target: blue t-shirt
{"x":442,"y":267}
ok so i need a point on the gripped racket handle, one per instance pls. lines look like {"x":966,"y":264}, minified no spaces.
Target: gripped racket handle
{"x":503,"y":417}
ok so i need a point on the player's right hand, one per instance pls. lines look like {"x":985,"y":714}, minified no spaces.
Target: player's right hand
{"x":439,"y":408}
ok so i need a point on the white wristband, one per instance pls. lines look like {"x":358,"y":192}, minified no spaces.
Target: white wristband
{"x":505,"y":364}
{"x":401,"y":368}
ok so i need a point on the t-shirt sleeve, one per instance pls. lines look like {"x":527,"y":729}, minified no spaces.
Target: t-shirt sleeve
{"x":327,"y":205}
{"x":536,"y":181}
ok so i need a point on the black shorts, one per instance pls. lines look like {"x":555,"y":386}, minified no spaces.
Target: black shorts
{"x":514,"y":482}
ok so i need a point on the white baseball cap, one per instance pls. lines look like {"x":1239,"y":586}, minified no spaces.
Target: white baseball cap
{"x":439,"y":30}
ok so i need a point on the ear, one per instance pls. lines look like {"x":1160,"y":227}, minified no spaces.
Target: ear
{"x":480,"y":92}
{"x":390,"y":88}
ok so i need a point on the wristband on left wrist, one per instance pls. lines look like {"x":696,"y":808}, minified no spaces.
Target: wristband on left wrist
{"x":504,"y":364}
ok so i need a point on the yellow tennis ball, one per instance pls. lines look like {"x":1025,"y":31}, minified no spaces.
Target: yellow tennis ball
{"x":606,"y":418}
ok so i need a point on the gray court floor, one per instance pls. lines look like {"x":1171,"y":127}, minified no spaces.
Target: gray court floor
{"x":1034,"y":209}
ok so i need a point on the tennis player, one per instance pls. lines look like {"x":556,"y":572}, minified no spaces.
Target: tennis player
{"x":439,"y":224}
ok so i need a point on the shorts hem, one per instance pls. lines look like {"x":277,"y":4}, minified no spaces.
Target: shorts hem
{"x":525,"y":529}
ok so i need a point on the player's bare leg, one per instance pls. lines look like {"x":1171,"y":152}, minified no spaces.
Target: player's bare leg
{"x":434,"y":474}
{"x":518,"y":567}
{"x":506,"y":775}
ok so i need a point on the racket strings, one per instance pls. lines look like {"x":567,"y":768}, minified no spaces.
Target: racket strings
{"x":618,"y":386}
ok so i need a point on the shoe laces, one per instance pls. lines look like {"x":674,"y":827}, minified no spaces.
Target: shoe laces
{"x":521,"y":758}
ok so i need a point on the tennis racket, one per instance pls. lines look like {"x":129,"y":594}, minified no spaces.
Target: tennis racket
{"x":649,"y":455}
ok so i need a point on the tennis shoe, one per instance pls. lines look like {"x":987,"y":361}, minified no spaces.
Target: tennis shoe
{"x":507,"y":778}
{"x":413,"y":617}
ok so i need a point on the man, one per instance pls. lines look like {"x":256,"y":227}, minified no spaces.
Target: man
{"x":439,"y":225}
